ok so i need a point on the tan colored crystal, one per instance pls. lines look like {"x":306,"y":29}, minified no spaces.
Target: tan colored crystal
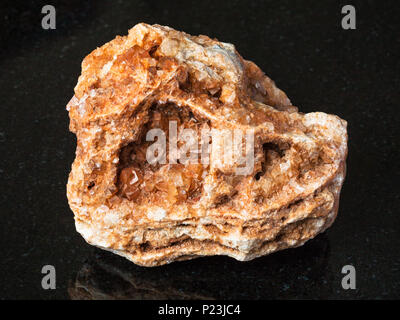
{"x":156,"y":214}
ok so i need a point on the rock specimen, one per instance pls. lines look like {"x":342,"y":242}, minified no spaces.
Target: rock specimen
{"x":156,"y":210}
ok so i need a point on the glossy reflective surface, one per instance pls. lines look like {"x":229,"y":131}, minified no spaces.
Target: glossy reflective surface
{"x":354,"y":74}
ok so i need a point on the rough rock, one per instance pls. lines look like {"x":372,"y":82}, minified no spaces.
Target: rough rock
{"x":155,"y":214}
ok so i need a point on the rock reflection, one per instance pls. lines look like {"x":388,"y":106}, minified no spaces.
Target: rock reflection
{"x":293,"y":273}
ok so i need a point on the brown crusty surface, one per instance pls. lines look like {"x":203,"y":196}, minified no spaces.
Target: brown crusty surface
{"x":291,"y":195}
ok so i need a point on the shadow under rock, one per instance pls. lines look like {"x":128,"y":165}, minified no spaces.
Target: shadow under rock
{"x":293,"y":273}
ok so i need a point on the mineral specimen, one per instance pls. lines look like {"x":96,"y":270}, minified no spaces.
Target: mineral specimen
{"x":251,"y":201}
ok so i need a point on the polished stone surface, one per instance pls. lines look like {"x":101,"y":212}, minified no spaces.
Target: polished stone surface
{"x":301,"y":45}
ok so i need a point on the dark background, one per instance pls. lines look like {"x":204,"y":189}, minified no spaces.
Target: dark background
{"x":301,"y":45}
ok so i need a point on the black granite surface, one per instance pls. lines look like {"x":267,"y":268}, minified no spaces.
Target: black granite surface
{"x":301,"y":45}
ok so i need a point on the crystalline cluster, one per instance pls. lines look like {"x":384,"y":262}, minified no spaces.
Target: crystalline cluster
{"x":157,"y":213}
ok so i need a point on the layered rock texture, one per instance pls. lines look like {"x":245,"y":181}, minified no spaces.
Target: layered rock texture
{"x":157,"y":213}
